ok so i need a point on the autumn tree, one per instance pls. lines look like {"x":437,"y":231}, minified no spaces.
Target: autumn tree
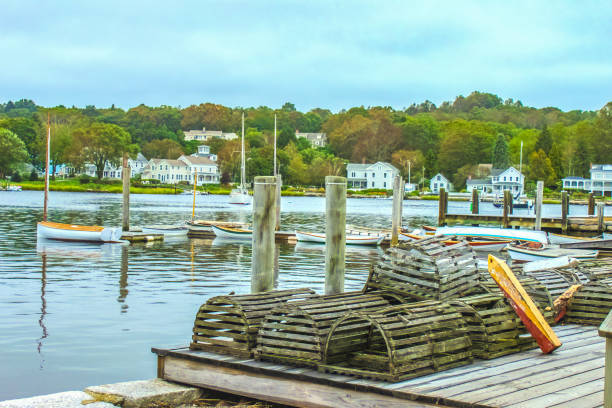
{"x":162,"y":149}
{"x":402,"y":159}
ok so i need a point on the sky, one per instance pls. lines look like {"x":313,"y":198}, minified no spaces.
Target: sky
{"x":327,"y":54}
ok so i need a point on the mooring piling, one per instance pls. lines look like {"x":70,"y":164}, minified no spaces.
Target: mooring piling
{"x":601,"y":226}
{"x":396,"y":212}
{"x":126,"y":174}
{"x":538,"y":209}
{"x":335,"y":233}
{"x":264,"y":222}
{"x":564,"y":211}
{"x":506,"y":208}
{"x":442,"y":205}
{"x":591,"y":209}
{"x":279,"y":183}
{"x":475,"y":201}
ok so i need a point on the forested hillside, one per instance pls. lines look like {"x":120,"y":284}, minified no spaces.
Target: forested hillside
{"x":452,"y":138}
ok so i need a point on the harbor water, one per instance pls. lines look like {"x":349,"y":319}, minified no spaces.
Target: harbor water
{"x":73,"y":315}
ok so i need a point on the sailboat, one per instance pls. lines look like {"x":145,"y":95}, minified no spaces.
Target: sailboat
{"x":240,"y":195}
{"x":70,"y":232}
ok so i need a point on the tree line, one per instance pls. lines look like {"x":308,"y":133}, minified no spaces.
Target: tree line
{"x":452,"y":138}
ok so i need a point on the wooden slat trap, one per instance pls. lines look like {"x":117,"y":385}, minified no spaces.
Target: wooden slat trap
{"x":229,"y":324}
{"x":426,"y":270}
{"x":295,"y":332}
{"x":591,"y":304}
{"x":596,"y":269}
{"x":556,"y":281}
{"x":399,"y":342}
{"x":493,"y":326}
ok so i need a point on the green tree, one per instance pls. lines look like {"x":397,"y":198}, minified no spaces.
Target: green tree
{"x":556,"y":160}
{"x":501,"y":159}
{"x":540,"y":168}
{"x":100,"y":143}
{"x":12,"y":151}
{"x":582,"y":158}
{"x":544,"y":141}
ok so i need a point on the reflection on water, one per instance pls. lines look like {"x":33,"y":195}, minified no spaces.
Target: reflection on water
{"x":60,"y":324}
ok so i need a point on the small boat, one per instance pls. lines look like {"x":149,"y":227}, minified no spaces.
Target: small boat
{"x":204,"y":225}
{"x":70,"y":232}
{"x":516,"y":202}
{"x":495,"y":233}
{"x":566,"y":239}
{"x":350,"y":239}
{"x":166,"y":230}
{"x":526,"y":252}
{"x":522,"y":304}
{"x":232,"y":233}
{"x":550,"y":263}
{"x":477,"y":245}
{"x":240,"y":195}
{"x":13,"y":188}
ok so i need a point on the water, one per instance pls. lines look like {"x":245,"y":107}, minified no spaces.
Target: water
{"x":74,"y":315}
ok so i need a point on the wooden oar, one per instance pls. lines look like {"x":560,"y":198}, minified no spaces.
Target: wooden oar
{"x":523,"y":305}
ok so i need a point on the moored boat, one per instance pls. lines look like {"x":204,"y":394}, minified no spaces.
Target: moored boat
{"x":495,"y":233}
{"x":567,"y":239}
{"x":232,"y":233}
{"x":350,"y":239}
{"x":492,"y":245}
{"x":526,"y":253}
{"x":167,"y":230}
{"x":523,"y":305}
{"x":70,"y":232}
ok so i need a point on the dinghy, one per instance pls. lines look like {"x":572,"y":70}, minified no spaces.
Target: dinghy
{"x":522,"y":304}
{"x":350,"y":239}
{"x":166,"y":230}
{"x":71,"y":232}
{"x":568,"y":239}
{"x":232,"y":233}
{"x":524,"y":252}
{"x":493,"y":245}
{"x":495,"y":233}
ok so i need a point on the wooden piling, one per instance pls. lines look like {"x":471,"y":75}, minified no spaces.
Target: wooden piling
{"x":605,"y":330}
{"x":126,"y":174}
{"x":441,"y":207}
{"x":279,"y":183}
{"x":264,"y":221}
{"x":600,"y":217}
{"x":564,"y":211}
{"x":475,"y":201}
{"x":396,"y":212}
{"x":591,"y":209}
{"x":538,"y":209}
{"x":506,"y":208}
{"x":335,"y":233}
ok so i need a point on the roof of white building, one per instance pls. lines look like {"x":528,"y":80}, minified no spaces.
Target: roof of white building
{"x":198,"y":160}
{"x":601,"y":166}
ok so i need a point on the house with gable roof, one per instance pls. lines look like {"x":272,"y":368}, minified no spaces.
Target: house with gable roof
{"x":377,"y":175}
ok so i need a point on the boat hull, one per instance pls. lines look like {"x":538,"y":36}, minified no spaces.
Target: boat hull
{"x":485,"y":245}
{"x":350,"y":240}
{"x":232,"y":233}
{"x":495,"y":233}
{"x":79,"y":233}
{"x":239,"y":198}
{"x":166,"y":230}
{"x":523,"y":254}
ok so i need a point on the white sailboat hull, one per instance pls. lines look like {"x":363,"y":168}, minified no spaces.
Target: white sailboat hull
{"x":68,"y":232}
{"x":166,"y":230}
{"x":495,"y":233}
{"x":350,"y":239}
{"x":240,"y":198}
{"x":567,"y":239}
{"x":244,"y":235}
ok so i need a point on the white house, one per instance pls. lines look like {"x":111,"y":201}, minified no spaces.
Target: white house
{"x":204,"y":135}
{"x":204,"y":151}
{"x":499,"y":180}
{"x":439,"y":181}
{"x":183,"y":169}
{"x":137,"y":165}
{"x":377,"y":175}
{"x":601,"y":179}
{"x":576,"y":183}
{"x":315,"y":139}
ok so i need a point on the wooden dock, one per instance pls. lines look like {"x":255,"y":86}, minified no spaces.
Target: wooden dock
{"x":572,"y":376}
{"x":135,"y":236}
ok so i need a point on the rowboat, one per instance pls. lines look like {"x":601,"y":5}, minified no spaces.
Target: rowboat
{"x":232,"y":233}
{"x":350,"y":239}
{"x":526,"y":253}
{"x":522,"y":304}
{"x":478,"y":245}
{"x":567,"y":239}
{"x":71,"y":232}
{"x":495,"y":233}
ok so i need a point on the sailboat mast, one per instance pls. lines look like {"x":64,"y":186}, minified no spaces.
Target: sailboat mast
{"x":47,"y":168}
{"x":275,"y":145}
{"x":242,"y":164}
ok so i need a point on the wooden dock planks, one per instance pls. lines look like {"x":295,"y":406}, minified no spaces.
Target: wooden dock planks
{"x":572,"y":375}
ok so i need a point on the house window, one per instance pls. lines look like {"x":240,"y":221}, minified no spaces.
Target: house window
{"x":385,"y":183}
{"x":373,"y":174}
{"x":435,"y":186}
{"x":438,"y":177}
{"x":504,"y":178}
{"x":353,"y":174}
{"x":166,"y":167}
{"x":373,"y":184}
{"x":385,"y":175}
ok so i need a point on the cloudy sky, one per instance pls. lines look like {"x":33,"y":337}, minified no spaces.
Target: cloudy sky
{"x":329,"y":54}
